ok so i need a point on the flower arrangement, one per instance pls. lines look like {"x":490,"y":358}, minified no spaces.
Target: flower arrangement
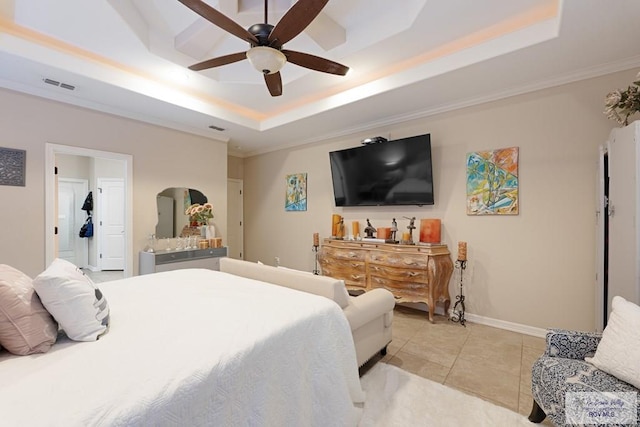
{"x":619,"y":105}
{"x":199,"y":214}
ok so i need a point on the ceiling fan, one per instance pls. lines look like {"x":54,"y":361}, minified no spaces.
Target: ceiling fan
{"x":266,"y":53}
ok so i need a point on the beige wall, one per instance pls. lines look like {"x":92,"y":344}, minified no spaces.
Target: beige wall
{"x":235,"y":167}
{"x":536,"y":268}
{"x":162,"y":158}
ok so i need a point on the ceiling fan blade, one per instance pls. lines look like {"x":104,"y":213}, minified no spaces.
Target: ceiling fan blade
{"x":217,"y":18}
{"x":221,"y":60}
{"x":315,"y":62}
{"x":295,"y":20}
{"x":274,"y":83}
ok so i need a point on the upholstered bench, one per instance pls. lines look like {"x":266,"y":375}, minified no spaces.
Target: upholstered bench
{"x":369,"y":315}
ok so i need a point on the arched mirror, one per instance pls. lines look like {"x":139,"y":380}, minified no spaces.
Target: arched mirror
{"x":172,"y":203}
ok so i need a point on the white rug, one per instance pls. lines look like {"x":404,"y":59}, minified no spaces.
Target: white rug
{"x":399,"y":398}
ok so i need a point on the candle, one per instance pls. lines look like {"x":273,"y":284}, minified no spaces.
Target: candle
{"x":462,"y":251}
{"x":335,"y":220}
{"x":355,"y":228}
{"x":316,"y":239}
{"x":384,"y":233}
{"x":405,"y":236}
{"x":430,"y":230}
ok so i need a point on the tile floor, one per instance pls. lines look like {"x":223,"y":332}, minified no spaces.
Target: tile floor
{"x":490,"y":363}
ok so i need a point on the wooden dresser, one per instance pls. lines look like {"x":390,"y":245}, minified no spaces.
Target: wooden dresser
{"x":412,"y":273}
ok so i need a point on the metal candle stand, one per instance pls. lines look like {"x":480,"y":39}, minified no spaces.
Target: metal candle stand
{"x":315,"y":256}
{"x":458,"y":315}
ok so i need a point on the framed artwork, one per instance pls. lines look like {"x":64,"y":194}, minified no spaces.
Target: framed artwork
{"x":492,"y":182}
{"x":12,"y":166}
{"x":296,"y":197}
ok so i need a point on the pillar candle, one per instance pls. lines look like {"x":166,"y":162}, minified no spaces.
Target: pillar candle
{"x":462,"y":251}
{"x":335,"y":220}
{"x":355,"y":228}
{"x":430,"y":230}
{"x":383,"y":233}
{"x":316,"y":239}
{"x":405,"y":236}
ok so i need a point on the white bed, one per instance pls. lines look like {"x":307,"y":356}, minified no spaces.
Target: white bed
{"x":194,"y":347}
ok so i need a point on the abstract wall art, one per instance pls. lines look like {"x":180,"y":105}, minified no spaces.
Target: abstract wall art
{"x":296,"y":197}
{"x":492,"y":182}
{"x":12,"y":166}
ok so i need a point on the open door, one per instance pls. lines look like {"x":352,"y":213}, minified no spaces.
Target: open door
{"x":111,"y":205}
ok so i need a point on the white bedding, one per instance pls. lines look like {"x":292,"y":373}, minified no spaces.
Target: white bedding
{"x":194,"y":347}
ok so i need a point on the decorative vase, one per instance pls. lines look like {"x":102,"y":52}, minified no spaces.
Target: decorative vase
{"x":211,"y":230}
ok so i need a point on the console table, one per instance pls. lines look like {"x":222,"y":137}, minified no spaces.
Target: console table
{"x":413,"y":273}
{"x":153,"y":262}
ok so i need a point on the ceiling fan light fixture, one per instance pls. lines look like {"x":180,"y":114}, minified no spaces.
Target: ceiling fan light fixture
{"x":266,"y":60}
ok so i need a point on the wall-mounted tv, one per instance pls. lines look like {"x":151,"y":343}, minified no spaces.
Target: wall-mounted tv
{"x":386,"y":173}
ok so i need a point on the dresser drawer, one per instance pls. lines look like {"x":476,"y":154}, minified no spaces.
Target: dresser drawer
{"x":343,"y":253}
{"x":399,"y":260}
{"x":402,"y":288}
{"x":394,"y":274}
{"x":352,"y":272}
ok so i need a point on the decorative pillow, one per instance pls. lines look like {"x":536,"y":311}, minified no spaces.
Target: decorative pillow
{"x":25,"y":326}
{"x":618,"y":352}
{"x":73,"y":300}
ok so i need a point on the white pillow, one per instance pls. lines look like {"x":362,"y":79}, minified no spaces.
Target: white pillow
{"x":618,"y":352}
{"x":73,"y":300}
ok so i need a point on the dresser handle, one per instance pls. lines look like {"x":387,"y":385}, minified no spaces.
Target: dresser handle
{"x":412,"y":273}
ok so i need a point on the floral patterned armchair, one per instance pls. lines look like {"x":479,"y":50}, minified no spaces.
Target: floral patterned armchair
{"x":562,"y":369}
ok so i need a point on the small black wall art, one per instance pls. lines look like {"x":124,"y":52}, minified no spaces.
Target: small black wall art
{"x":12,"y":166}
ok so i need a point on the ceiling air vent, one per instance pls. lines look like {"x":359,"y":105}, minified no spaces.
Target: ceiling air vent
{"x":51,"y":82}
{"x":216,"y":128}
{"x":57,"y":83}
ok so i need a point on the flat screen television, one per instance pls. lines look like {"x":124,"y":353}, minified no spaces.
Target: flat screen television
{"x":387,"y":173}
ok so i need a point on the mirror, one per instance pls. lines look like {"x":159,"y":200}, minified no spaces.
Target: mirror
{"x":172,"y":203}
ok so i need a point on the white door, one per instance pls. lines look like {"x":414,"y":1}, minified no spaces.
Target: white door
{"x":71,"y":195}
{"x":111,"y":205}
{"x":235,"y":213}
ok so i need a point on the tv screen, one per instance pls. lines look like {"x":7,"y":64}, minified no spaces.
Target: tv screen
{"x":387,"y":173}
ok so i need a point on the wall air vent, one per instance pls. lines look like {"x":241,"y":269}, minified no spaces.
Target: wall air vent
{"x":216,"y":128}
{"x":57,"y":83}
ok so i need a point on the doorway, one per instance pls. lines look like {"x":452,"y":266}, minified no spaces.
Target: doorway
{"x":71,"y":217}
{"x":123,"y":161}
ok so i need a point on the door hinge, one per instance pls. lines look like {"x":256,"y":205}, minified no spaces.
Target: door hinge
{"x":100,"y":190}
{"x":55,"y":230}
{"x":240,"y":223}
{"x":241,"y":192}
{"x":100,"y":256}
{"x":55,"y":170}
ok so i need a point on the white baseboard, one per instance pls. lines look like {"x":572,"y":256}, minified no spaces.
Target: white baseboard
{"x":488,"y":321}
{"x":509,"y":326}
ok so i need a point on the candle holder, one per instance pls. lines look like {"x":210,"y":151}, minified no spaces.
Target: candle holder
{"x":316,"y":271}
{"x":457,"y":315}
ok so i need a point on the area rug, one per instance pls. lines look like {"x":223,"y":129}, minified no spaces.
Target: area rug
{"x":399,"y":398}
